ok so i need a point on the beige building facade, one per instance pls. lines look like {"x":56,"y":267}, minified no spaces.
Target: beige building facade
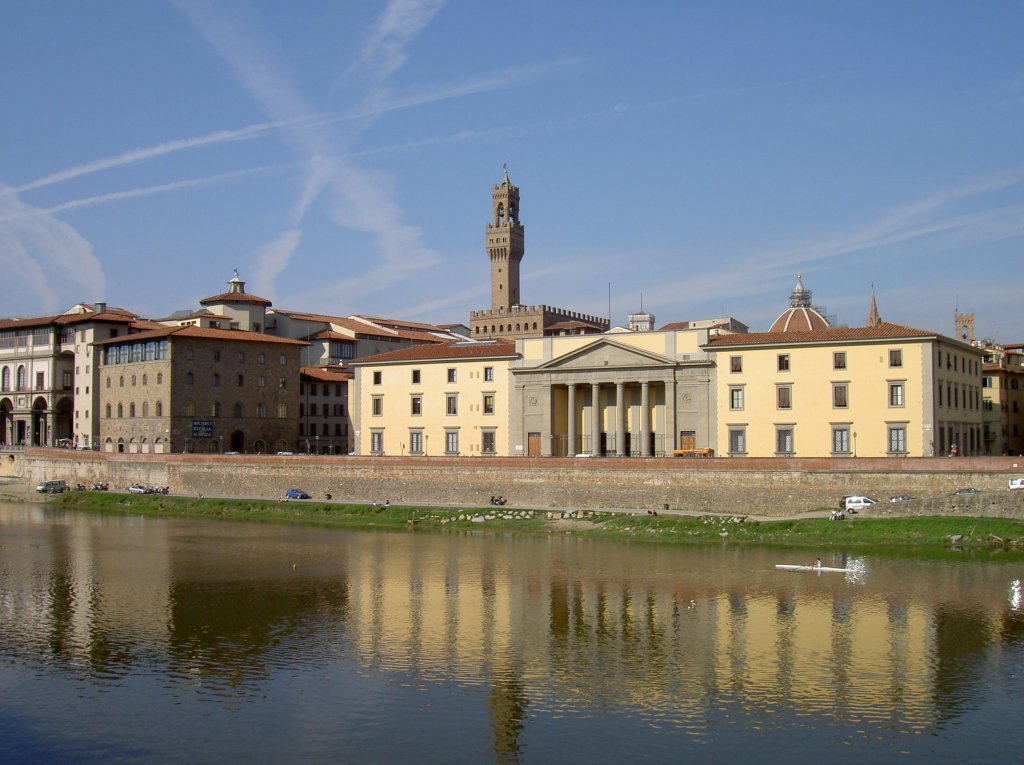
{"x":622,"y":393}
{"x":885,"y":390}
{"x":1003,"y":398}
{"x":434,"y":400}
{"x":192,"y":389}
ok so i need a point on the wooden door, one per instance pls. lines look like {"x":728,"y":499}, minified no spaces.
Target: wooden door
{"x":533,"y":445}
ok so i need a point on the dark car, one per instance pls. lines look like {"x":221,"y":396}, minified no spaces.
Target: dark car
{"x":295,"y":494}
{"x":965,"y":491}
{"x":901,"y":498}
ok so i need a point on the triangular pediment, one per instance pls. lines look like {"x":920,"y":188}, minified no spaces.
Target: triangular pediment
{"x":606,"y":354}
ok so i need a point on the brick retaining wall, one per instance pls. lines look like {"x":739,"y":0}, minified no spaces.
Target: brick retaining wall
{"x":775,"y":487}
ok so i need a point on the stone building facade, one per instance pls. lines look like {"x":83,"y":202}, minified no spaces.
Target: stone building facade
{"x":508,"y":317}
{"x":192,"y":389}
{"x":325,"y":420}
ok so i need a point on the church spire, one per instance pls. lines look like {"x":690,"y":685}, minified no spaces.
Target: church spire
{"x":874,"y":319}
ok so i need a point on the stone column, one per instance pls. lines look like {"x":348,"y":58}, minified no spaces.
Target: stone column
{"x":620,"y":419}
{"x":645,"y":419}
{"x":571,"y":429}
{"x":595,"y":418}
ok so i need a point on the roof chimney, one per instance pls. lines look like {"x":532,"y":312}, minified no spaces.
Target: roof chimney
{"x":100,"y":307}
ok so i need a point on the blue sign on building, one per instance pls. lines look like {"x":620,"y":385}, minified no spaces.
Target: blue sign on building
{"x":202,"y":428}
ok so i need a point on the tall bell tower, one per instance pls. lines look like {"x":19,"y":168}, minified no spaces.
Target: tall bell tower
{"x":505,"y":245}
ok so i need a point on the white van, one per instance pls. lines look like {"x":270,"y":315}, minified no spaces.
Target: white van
{"x":52,"y":487}
{"x":1017,"y":483}
{"x":855,"y":502}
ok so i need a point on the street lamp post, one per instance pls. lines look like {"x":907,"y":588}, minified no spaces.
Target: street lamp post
{"x":316,"y":438}
{"x":426,"y":446}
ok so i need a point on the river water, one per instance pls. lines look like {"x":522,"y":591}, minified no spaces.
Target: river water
{"x":161,"y":640}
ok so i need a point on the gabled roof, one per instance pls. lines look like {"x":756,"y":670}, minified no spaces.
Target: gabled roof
{"x":443,"y":352}
{"x":884,"y":331}
{"x":326,"y":374}
{"x":203,"y":333}
{"x":115,"y":315}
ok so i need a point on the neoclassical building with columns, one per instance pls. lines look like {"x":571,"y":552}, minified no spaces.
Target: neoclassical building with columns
{"x":622,"y":393}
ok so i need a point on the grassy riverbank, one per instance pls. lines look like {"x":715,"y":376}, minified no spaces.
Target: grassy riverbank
{"x":981,"y":534}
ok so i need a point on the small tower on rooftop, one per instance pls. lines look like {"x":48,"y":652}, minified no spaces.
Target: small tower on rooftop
{"x":505,"y":244}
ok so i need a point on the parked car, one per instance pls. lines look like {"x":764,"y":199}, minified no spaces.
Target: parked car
{"x":964,"y":492}
{"x":1017,"y":483}
{"x":295,"y":494}
{"x":52,"y":487}
{"x":901,"y":498}
{"x":855,"y":502}
{"x":136,"y":488}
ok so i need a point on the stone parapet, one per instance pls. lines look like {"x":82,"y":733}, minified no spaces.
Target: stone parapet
{"x":778,"y":488}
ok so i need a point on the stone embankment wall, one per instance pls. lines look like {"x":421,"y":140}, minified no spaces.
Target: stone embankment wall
{"x":771,"y":487}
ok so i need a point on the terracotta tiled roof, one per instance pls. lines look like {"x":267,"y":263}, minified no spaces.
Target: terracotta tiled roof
{"x":401,"y":324}
{"x":799,"y":319}
{"x":116,"y":315}
{"x":884,"y":331}
{"x":326,"y":374}
{"x":201,"y":333}
{"x":235,"y":297}
{"x":35,"y":321}
{"x":328,"y":334}
{"x":442,"y":352}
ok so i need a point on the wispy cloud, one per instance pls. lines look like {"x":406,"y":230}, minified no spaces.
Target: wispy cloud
{"x":34,"y":244}
{"x":385,"y":48}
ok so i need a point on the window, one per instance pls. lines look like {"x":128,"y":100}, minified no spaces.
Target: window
{"x":216,"y":355}
{"x":282,"y":411}
{"x":737,"y":440}
{"x":239,"y":411}
{"x":488,"y":403}
{"x":159,"y":378}
{"x":784,"y":397}
{"x":261,"y":410}
{"x":735,"y":398}
{"x":896,"y":394}
{"x":784,"y":440}
{"x":120,"y":381}
{"x":261,"y":359}
{"x":487,"y":442}
{"x":986,"y":382}
{"x":189,"y":354}
{"x":41,"y":381}
{"x":415,"y":442}
{"x":190,"y":409}
{"x":159,"y":409}
{"x":281,"y":360}
{"x":145,"y":379}
{"x":840,"y":398}
{"x":415,"y":377}
{"x":735,"y":363}
{"x":312,"y":410}
{"x":215,"y":380}
{"x":281,"y":382}
{"x":897,"y":439}
{"x":839,"y":360}
{"x":377,"y":441}
{"x":377,"y":404}
{"x":452,"y":403}
{"x":377,"y":378}
{"x":241,"y":357}
{"x":417,"y":406}
{"x":451,"y":442}
{"x":261,"y":381}
{"x":489,"y":374}
{"x":896,"y":357}
{"x":188,"y":378}
{"x":451,"y":375}
{"x":783,"y":362}
{"x":339,"y":410}
{"x":840,"y":440}
{"x":107,"y":411}
{"x":240,"y":381}
{"x":215,"y":409}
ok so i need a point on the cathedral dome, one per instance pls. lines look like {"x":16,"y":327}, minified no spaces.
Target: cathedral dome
{"x":800,"y":316}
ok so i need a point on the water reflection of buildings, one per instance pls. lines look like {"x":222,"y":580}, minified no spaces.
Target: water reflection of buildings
{"x":553,"y":625}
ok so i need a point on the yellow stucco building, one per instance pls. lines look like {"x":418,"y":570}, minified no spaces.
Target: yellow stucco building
{"x":445,"y":399}
{"x":821,"y":391}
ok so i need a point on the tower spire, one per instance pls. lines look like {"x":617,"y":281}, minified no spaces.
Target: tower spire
{"x":874,"y":319}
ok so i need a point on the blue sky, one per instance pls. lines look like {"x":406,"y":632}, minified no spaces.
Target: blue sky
{"x":341,"y":156}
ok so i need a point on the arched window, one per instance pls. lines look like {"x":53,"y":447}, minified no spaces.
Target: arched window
{"x":159,"y":378}
{"x":120,"y":410}
{"x":190,"y":409}
{"x":20,"y":382}
{"x":108,"y":382}
{"x":122,"y":381}
{"x":238,"y":409}
{"x":145,"y":379}
{"x":216,"y":379}
{"x":282,"y":411}
{"x":159,"y":409}
{"x":133,"y":380}
{"x":145,"y":409}
{"x":261,"y":410}
{"x":131,"y":410}
{"x":188,"y":378}
{"x":5,"y":384}
{"x":215,"y":409}
{"x":108,"y":411}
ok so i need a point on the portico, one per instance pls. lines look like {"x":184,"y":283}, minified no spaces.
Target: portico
{"x":607,"y":397}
